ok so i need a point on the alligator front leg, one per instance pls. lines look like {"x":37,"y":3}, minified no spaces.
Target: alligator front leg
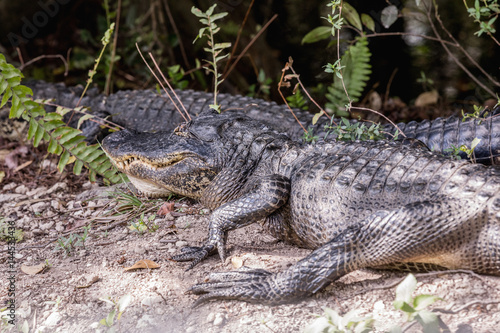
{"x":421,"y":231}
{"x":269,"y":194}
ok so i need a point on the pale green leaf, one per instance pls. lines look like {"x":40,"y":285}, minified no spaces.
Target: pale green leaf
{"x":24,"y":90}
{"x":124,"y":302}
{"x":63,"y":161}
{"x":53,"y":124}
{"x":474,"y":143}
{"x":429,"y":321}
{"x":61,"y":131}
{"x":219,"y":46}
{"x":405,"y":289}
{"x":3,"y":86}
{"x":12,"y":73}
{"x":321,"y":324}
{"x":389,"y":16}
{"x":32,"y":129}
{"x":218,"y":16}
{"x":92,"y":175}
{"x":52,"y":116}
{"x":210,"y":10}
{"x":38,"y":136}
{"x":61,"y":110}
{"x":83,"y":118}
{"x":351,"y":15}
{"x":368,"y":21}
{"x":422,"y":301}
{"x":77,"y":168}
{"x":317,"y":34}
{"x":7,"y":95}
{"x":79,"y":148}
{"x":53,"y":146}
{"x":73,"y":142}
{"x":316,"y":117}
{"x":68,"y":136}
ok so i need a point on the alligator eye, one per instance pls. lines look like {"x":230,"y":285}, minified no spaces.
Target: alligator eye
{"x":182,"y":130}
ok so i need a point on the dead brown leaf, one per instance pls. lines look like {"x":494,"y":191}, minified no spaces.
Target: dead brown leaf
{"x":22,"y":166}
{"x":33,"y":270}
{"x":94,"y":279}
{"x":146,"y":263}
{"x":427,"y":98}
{"x":166,"y":208}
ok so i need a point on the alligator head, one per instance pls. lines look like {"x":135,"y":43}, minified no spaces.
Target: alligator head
{"x":184,"y":161}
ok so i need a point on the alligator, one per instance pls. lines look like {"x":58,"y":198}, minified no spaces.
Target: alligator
{"x":147,"y":111}
{"x":355,"y":204}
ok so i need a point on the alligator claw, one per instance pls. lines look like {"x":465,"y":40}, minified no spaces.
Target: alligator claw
{"x":246,"y":284}
{"x":195,"y":254}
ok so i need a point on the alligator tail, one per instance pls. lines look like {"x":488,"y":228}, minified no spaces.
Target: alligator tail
{"x":442,"y":134}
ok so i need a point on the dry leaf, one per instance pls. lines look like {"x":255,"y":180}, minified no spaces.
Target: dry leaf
{"x":22,"y":166}
{"x":95,"y":278}
{"x":427,"y":98}
{"x":3,"y":154}
{"x":237,"y":262}
{"x":32,"y":270}
{"x":166,"y":208}
{"x":12,"y":159}
{"x":146,"y":263}
{"x":2,"y":175}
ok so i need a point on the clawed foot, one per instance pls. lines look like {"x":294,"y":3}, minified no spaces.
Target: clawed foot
{"x":246,"y":284}
{"x":195,"y":254}
{"x":216,"y":242}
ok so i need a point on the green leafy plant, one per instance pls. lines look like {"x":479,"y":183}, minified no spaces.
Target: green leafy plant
{"x":415,"y":308}
{"x":485,"y":13}
{"x":352,"y":72}
{"x":332,"y":322}
{"x":144,"y":224}
{"x":262,"y":87}
{"x":176,"y":75}
{"x":309,"y":136}
{"x":479,"y":113}
{"x":118,"y":308}
{"x":454,"y":151}
{"x":208,"y":18}
{"x":426,"y":82}
{"x":297,"y":100}
{"x":62,"y":140}
{"x":69,"y":244}
{"x":350,"y":131}
{"x":105,"y":41}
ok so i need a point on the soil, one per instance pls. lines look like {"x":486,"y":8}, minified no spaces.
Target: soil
{"x":69,"y":294}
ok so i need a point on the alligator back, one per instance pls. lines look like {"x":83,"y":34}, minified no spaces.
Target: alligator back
{"x":147,"y":111}
{"x":339,"y":185}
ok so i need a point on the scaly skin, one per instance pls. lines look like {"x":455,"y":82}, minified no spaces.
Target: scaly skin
{"x":146,"y":111}
{"x":357,"y":204}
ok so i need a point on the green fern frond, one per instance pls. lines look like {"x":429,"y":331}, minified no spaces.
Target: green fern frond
{"x":356,"y":72}
{"x":65,"y":141}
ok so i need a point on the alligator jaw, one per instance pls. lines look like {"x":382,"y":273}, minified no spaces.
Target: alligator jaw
{"x":148,"y":188}
{"x":159,"y":164}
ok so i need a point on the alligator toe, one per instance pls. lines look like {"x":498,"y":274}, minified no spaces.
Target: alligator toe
{"x":194,"y":254}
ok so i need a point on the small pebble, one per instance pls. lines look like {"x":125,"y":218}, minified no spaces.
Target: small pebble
{"x":181,"y":243}
{"x":53,"y":319}
{"x":9,"y":186}
{"x":22,"y":189}
{"x":219,"y":319}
